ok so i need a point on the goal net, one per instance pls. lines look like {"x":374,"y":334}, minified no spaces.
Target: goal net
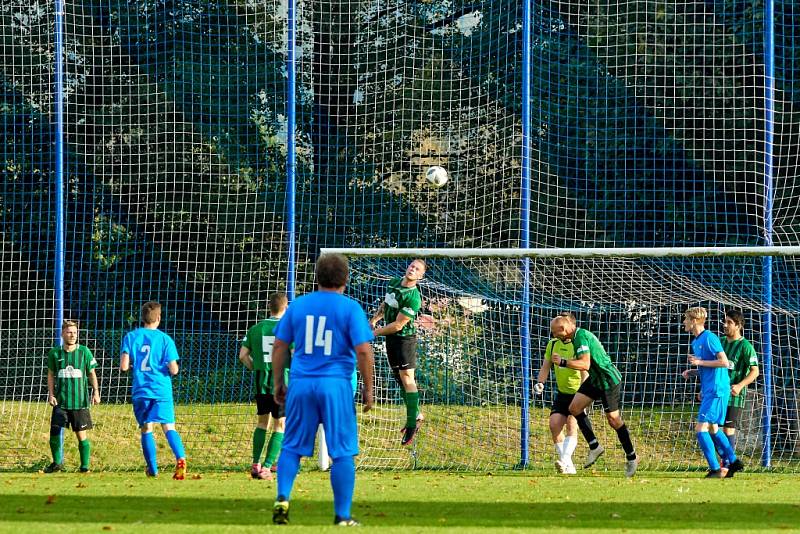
{"x":471,"y":348}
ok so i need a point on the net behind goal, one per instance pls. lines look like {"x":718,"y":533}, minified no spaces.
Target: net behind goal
{"x":469,"y":356}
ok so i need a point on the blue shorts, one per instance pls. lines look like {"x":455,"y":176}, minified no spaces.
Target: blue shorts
{"x":329,"y":401}
{"x":713,"y":410}
{"x":153,"y":411}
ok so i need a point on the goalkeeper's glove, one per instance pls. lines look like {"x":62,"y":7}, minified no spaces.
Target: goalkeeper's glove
{"x":538,"y":388}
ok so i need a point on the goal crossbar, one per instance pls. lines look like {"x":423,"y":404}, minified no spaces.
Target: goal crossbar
{"x":629,"y":252}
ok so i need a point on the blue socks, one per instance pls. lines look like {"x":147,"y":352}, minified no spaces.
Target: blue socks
{"x":175,"y":443}
{"x":707,"y":446}
{"x":343,"y":483}
{"x":288,"y":466}
{"x":343,"y":480}
{"x":149,"y":451}
{"x":724,"y":447}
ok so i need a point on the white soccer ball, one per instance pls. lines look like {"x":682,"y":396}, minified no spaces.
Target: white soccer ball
{"x":436,"y":176}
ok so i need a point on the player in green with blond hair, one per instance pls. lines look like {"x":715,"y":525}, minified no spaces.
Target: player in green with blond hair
{"x":398,"y":311}
{"x":70,"y":370}
{"x":256,"y":355}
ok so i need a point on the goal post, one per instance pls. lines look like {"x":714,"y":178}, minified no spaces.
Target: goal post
{"x":633,"y":299}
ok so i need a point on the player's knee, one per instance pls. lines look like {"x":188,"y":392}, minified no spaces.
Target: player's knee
{"x":701,"y":427}
{"x":555,"y":428}
{"x":614,"y":419}
{"x":280,"y":424}
{"x":344,"y":460}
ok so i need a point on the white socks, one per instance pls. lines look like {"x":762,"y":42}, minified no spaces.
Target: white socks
{"x":570,"y":442}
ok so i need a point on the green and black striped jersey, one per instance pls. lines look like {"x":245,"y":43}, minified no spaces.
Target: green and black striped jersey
{"x":741,"y":357}
{"x":71,"y":371}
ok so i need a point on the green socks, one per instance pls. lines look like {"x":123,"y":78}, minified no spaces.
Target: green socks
{"x":85,"y":449}
{"x":259,"y":438}
{"x":412,"y":408}
{"x":274,"y":448}
{"x":56,"y":449}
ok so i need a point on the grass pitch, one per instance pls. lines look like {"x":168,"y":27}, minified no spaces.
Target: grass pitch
{"x":400,"y":502}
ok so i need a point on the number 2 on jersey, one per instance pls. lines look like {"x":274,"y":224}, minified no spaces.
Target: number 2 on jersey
{"x":317,"y":336}
{"x":145,"y":350}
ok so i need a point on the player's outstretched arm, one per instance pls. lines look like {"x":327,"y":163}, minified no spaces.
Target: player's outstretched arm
{"x":378,"y":315}
{"x":365,"y":358}
{"x":393,"y":327}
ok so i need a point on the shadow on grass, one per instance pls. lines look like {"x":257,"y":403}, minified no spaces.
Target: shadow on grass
{"x":146,"y":511}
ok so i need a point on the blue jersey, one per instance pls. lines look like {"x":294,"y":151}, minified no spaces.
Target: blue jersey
{"x":714,"y":381}
{"x":325,"y":328}
{"x":150,"y":352}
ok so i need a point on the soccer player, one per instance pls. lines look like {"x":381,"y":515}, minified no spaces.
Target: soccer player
{"x":398,"y":310}
{"x":712,"y":364}
{"x":256,"y":355}
{"x":568,"y":381}
{"x":152,"y":357}
{"x":331,"y":334}
{"x":743,"y":371}
{"x":603,"y":384}
{"x":68,"y":368}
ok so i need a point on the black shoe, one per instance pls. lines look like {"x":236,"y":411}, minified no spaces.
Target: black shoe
{"x":409,"y":433}
{"x":54,"y":468}
{"x":84,"y":470}
{"x":734,"y":468}
{"x":716,"y":473}
{"x":349,"y":522}
{"x":280,"y":513}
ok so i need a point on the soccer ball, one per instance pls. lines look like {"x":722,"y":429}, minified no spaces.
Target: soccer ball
{"x":436,"y":176}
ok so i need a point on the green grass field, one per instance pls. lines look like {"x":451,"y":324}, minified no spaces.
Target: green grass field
{"x":401,"y":502}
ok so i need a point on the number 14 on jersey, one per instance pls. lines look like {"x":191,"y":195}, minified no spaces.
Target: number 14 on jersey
{"x":317,"y":336}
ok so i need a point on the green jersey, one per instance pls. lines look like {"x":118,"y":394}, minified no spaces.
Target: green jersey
{"x":602,"y":373}
{"x":405,"y":300}
{"x":71,"y":371}
{"x":741,"y":357}
{"x":568,"y":380}
{"x":259,"y":341}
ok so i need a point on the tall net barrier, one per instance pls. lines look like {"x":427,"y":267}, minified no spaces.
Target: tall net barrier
{"x":468,"y":367}
{"x":637,"y":124}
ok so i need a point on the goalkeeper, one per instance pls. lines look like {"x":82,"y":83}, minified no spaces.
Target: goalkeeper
{"x":603,"y":384}
{"x":568,"y":381}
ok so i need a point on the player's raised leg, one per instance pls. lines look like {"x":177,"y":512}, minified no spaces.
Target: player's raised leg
{"x":577,"y":409}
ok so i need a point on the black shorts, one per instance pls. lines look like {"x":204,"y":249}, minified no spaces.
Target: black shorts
{"x":265,"y":404}
{"x":77,"y":419}
{"x":402,"y":352}
{"x":732,"y":416}
{"x":608,"y":397}
{"x":561,"y":403}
